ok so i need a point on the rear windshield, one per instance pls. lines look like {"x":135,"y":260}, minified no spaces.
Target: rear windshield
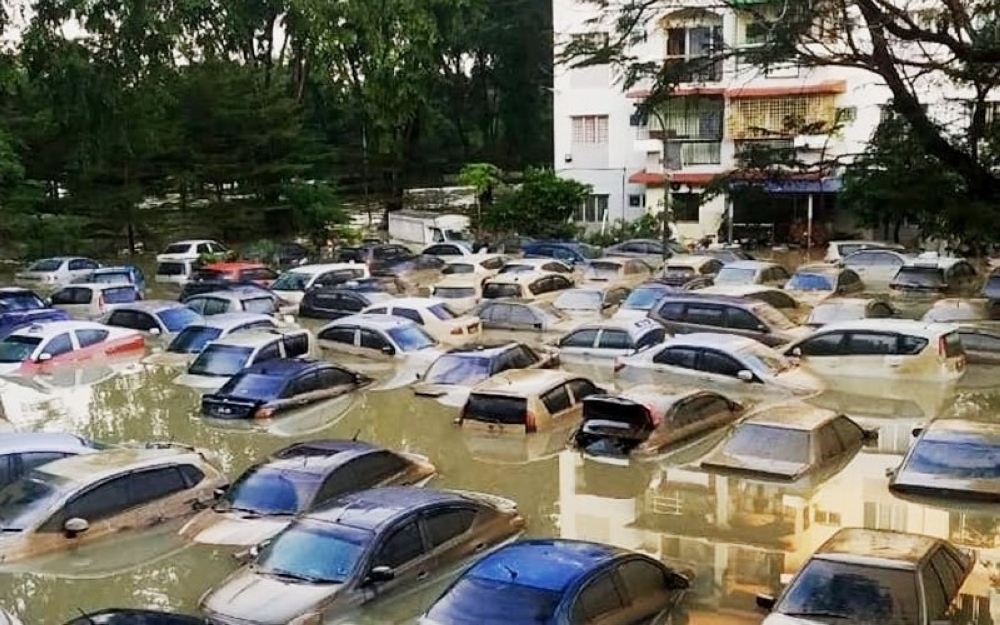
{"x":773,"y":317}
{"x":810,"y":282}
{"x":119,"y":295}
{"x":735,"y":275}
{"x":291,"y":281}
{"x":171,"y":269}
{"x":459,"y":370}
{"x":496,"y":409}
{"x":458,"y":268}
{"x":21,"y":300}
{"x":579,"y":300}
{"x":176,"y":319}
{"x":259,"y":305}
{"x":49,"y":264}
{"x":411,"y":338}
{"x":494,"y":290}
{"x":963,"y":455}
{"x":269,"y":491}
{"x":643,"y":298}
{"x":192,"y":339}
{"x":111,"y":278}
{"x":834,"y":312}
{"x":920,"y":277}
{"x":253,"y":386}
{"x":602,"y":271}
{"x":441,"y":311}
{"x":221,"y":360}
{"x":454,"y":292}
{"x":177,"y":248}
{"x":848,"y":592}
{"x":767,"y":442}
{"x":17,"y":348}
{"x":474,"y":600}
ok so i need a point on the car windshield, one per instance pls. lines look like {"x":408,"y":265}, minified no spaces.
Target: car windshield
{"x":472,"y":600}
{"x":578,"y":300}
{"x":960,"y":455}
{"x":516,"y":268}
{"x":171,"y":269}
{"x":496,"y":290}
{"x":259,"y":305}
{"x":315,"y":552}
{"x":773,"y":317}
{"x":441,"y":311}
{"x":119,"y":295}
{"x":461,"y":370}
{"x":24,"y":502}
{"x":192,"y":339}
{"x":853,"y":592}
{"x":207,"y":275}
{"x":176,"y":319}
{"x":291,"y":281}
{"x":765,"y":361}
{"x":111,"y":278}
{"x":809,"y":282}
{"x":832,"y":313}
{"x":48,"y":264}
{"x":253,"y":386}
{"x":16,"y":348}
{"x":177,"y":248}
{"x":454,"y":292}
{"x":735,"y":275}
{"x":266,"y":490}
{"x":920,"y":277}
{"x":602,"y":271}
{"x":766,"y":442}
{"x":411,"y":338}
{"x":643,"y":298}
{"x":23,"y":300}
{"x":458,"y":268}
{"x":220,"y":360}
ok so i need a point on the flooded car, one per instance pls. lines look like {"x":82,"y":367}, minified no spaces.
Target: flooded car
{"x":813,"y":283}
{"x":645,"y":420}
{"x":683,"y":313}
{"x":380,"y":337}
{"x":527,"y":285}
{"x":267,"y":496}
{"x":530,"y":317}
{"x":193,"y":338}
{"x":952,"y":458}
{"x":625,"y":272}
{"x":86,"y":498}
{"x":736,"y":365}
{"x":583,"y":582}
{"x":838,"y":309}
{"x":360,"y":548}
{"x":20,"y":452}
{"x":642,"y":299}
{"x":48,"y":273}
{"x":884,"y":348}
{"x":746,"y":272}
{"x":152,"y":317}
{"x":873,"y":576}
{"x":91,"y":301}
{"x":334,"y":302}
{"x":236,"y":298}
{"x":20,"y":307}
{"x":777,"y":298}
{"x":610,"y":339}
{"x":461,"y":291}
{"x":223,"y":358}
{"x":588,"y":301}
{"x":681,"y":270}
{"x":931,"y":279}
{"x":454,"y":373}
{"x":434,"y":316}
{"x":57,"y":343}
{"x":292,"y":284}
{"x":787,"y":441}
{"x":960,"y":311}
{"x":129,"y":616}
{"x":522,"y":265}
{"x":271,"y":388}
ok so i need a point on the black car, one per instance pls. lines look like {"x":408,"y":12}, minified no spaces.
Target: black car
{"x":122,"y":616}
{"x":265,"y":389}
{"x":208,"y":282}
{"x":337,"y":302}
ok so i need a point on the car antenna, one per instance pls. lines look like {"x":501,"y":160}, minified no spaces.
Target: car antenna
{"x":354,"y":438}
{"x":86,"y":616}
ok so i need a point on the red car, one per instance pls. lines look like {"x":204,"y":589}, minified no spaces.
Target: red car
{"x":243,"y":272}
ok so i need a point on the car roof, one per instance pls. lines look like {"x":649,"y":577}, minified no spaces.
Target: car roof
{"x":87,"y":468}
{"x":236,"y":290}
{"x":718,"y":299}
{"x":318,"y":457}
{"x":255,"y":337}
{"x":850,"y":301}
{"x":116,"y":269}
{"x":521,"y":277}
{"x":549,"y":564}
{"x":733,"y":342}
{"x":191,"y":242}
{"x":59,"y":258}
{"x":412,"y":302}
{"x":632,"y":326}
{"x":226,"y":321}
{"x":53,"y":328}
{"x":932,"y":262}
{"x":900,"y":550}
{"x":383,"y":322}
{"x":489,"y":350}
{"x":285,"y":367}
{"x":312,"y":270}
{"x":821,"y":268}
{"x":533,"y":262}
{"x":20,"y":442}
{"x":791,"y":415}
{"x":149,"y":305}
{"x":15,"y":290}
{"x":473,"y":258}
{"x":908,"y":326}
{"x":752,"y":264}
{"x":523,"y":382}
{"x":373,"y":508}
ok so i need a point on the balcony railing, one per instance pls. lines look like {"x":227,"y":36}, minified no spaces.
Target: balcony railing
{"x":696,"y":69}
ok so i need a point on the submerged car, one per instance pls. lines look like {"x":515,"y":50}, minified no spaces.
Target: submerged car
{"x":357,"y":548}
{"x":934,"y":278}
{"x":560,"y":582}
{"x":266,"y":497}
{"x":20,"y":452}
{"x":514,"y":315}
{"x":89,"y":301}
{"x":838,"y":309}
{"x":616,"y":271}
{"x":788,"y":441}
{"x":338,"y":301}
{"x":642,"y":299}
{"x":432,"y":315}
{"x":65,"y":342}
{"x":237,"y":298}
{"x":292,"y":285}
{"x":687,"y":271}
{"x":461,"y":368}
{"x":645,"y":420}
{"x":461,"y":291}
{"x":590,"y":301}
{"x":272,"y":387}
{"x":86,"y":498}
{"x":194,"y":337}
{"x":745,"y":272}
{"x":693,"y":312}
{"x":21,"y":307}
{"x":813,"y":283}
{"x":961,"y":311}
{"x":49,"y":273}
{"x":610,"y":339}
{"x":119,"y":274}
{"x":130,"y":616}
{"x":873,"y":576}
{"x":154,"y":317}
{"x":380,"y":337}
{"x":954,"y":458}
{"x":225,"y":357}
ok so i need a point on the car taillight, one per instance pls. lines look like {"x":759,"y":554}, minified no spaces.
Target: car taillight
{"x":530,"y":423}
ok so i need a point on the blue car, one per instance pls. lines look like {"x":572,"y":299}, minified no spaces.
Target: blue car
{"x":569,"y":252}
{"x":128,"y":274}
{"x":267,"y":388}
{"x":21,"y":307}
{"x":560,"y":582}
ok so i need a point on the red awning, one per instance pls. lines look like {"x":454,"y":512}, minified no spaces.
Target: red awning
{"x":828,"y":87}
{"x":655,"y":180}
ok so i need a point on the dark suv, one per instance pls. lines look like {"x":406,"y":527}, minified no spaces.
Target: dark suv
{"x":334,"y":303}
{"x":684,"y":313}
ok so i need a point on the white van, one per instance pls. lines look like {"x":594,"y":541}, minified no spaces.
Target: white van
{"x":175,"y":271}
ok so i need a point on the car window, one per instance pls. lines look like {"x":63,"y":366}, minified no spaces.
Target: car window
{"x":59,"y":345}
{"x":910,"y":345}
{"x":580,"y":338}
{"x":934,"y":594}
{"x":95,"y":504}
{"x":408,"y":313}
{"x":823,"y":345}
{"x":376,"y":467}
{"x":559,"y":282}
{"x":848,"y":432}
{"x":338,"y":335}
{"x":381,"y":310}
{"x":441,"y":526}
{"x":492,"y":264}
{"x":295,"y":345}
{"x":35,"y":459}
{"x":720,"y":364}
{"x":306,"y":383}
{"x":216,"y":306}
{"x":400,"y":547}
{"x":598,"y":598}
{"x":557,"y":399}
{"x":642,"y":579}
{"x":880,"y":311}
{"x":329,"y":378}
{"x":615,"y":339}
{"x":140,"y":321}
{"x":699,"y":314}
{"x":739,"y":319}
{"x":683,"y":357}
{"x":196,"y":304}
{"x":653,"y":337}
{"x":373,"y":340}
{"x":870,"y":344}
{"x":582,"y":388}
{"x":522,"y":315}
{"x":349,"y":303}
{"x":522,"y":357}
{"x":829,"y":443}
{"x":66,"y":297}
{"x":86,"y":338}
{"x":340,"y":482}
{"x":151,"y":485}
{"x":271,"y":351}
{"x":542,"y":285}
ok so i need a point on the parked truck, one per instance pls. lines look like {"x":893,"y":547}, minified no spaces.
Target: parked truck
{"x":423,"y":228}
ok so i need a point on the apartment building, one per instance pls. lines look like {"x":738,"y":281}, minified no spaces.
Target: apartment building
{"x":712,"y":119}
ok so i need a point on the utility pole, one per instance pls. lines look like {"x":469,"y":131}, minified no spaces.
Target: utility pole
{"x":667,"y":215}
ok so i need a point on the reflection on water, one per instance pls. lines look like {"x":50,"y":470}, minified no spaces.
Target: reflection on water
{"x":739,"y":536}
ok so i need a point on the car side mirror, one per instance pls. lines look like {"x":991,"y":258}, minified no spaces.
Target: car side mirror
{"x":765,"y":602}
{"x":745,"y":375}
{"x":381,"y":574}
{"x":44,"y":357}
{"x":219,"y":493}
{"x":917,"y":431}
{"x":387,"y":350}
{"x":154,"y":331}
{"x":796,"y":352}
{"x":763,"y":328}
{"x":48,"y":301}
{"x":75,"y":526}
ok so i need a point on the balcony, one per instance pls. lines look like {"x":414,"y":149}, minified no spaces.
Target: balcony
{"x":699,"y":69}
{"x":684,"y":153}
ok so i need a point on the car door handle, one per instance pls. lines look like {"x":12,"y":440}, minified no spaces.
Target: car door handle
{"x":422,"y":575}
{"x":479,"y":547}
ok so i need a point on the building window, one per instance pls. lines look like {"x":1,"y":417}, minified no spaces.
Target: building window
{"x":685,"y":206}
{"x":847,"y":114}
{"x":825,"y":517}
{"x":593,"y":209}
{"x":592,"y":129}
{"x":992,"y":113}
{"x":595,"y":40}
{"x":689,"y":44}
{"x":636,"y":200}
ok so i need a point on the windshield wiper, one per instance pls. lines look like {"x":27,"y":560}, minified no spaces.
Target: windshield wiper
{"x":818,"y":614}
{"x":282,"y":574}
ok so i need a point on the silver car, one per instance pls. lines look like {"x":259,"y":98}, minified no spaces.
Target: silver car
{"x":49,"y":273}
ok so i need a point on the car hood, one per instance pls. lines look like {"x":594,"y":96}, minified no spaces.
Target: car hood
{"x":630,"y":314}
{"x":255,"y":598}
{"x":773,"y":469}
{"x":448,"y":394}
{"x":800,"y":380}
{"x":169,"y":359}
{"x":957,"y":488}
{"x":230,"y":528}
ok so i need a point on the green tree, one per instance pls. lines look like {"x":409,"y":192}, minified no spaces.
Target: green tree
{"x":541,"y":205}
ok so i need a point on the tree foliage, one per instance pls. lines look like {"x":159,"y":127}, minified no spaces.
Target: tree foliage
{"x":541,"y":205}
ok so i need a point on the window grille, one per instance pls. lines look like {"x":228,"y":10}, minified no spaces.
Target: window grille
{"x":779,"y":116}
